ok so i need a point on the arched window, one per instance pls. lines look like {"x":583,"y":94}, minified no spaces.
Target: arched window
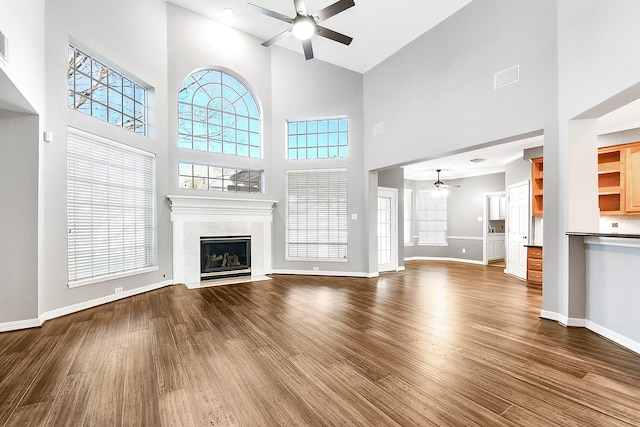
{"x":217,"y":113}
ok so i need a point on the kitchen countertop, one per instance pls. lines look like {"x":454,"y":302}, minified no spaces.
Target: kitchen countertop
{"x":532,"y":246}
{"x":588,"y":234}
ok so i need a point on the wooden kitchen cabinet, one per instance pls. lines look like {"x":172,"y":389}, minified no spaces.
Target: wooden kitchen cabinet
{"x":611,"y":185}
{"x":537,"y":186}
{"x":632,"y":163}
{"x":534,"y":264}
{"x":619,"y":179}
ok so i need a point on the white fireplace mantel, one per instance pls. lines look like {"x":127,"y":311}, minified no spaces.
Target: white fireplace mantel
{"x":196,"y":216}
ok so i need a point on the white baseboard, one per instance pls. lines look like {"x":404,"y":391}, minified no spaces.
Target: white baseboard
{"x":19,"y":324}
{"x":59,"y":312}
{"x":48,"y":315}
{"x":327,"y":273}
{"x":614,"y":336}
{"x":428,"y":258}
{"x":594,"y":327}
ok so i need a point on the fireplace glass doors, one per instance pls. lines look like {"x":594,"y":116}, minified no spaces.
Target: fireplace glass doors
{"x":223,"y":257}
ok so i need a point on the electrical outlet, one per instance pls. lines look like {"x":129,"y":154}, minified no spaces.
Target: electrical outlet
{"x":464,"y":251}
{"x":118,"y":290}
{"x":316,"y":268}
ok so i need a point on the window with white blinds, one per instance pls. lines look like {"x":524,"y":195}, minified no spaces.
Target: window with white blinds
{"x":432,"y":217}
{"x":408,"y":216}
{"x":111,"y":209}
{"x":317,"y":214}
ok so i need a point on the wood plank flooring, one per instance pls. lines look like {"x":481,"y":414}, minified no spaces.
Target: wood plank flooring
{"x":438,"y":344}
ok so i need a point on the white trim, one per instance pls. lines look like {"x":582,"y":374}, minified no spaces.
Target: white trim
{"x":429,"y":258}
{"x":327,"y":273}
{"x":63,"y":311}
{"x":19,"y":324}
{"x":465,"y":238}
{"x":614,"y":336}
{"x":48,"y":315}
{"x":401,"y":268}
{"x":106,"y":277}
{"x":200,"y":207}
{"x":433,"y":244}
{"x":594,"y":327}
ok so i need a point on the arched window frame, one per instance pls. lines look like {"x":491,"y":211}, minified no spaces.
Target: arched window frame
{"x":219,"y":113}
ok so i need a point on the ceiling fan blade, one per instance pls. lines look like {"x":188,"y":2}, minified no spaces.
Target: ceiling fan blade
{"x":277,"y":38}
{"x":334,"y":9}
{"x":308,"y":50}
{"x":330,"y":34}
{"x":301,"y":9}
{"x":270,"y":13}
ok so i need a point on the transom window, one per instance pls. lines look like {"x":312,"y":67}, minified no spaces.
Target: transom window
{"x":317,"y":139}
{"x":104,"y":93}
{"x":217,"y":113}
{"x":219,"y":178}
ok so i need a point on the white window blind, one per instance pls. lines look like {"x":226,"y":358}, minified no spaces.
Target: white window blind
{"x":111,"y":209}
{"x":317,"y":214}
{"x":408,"y":216}
{"x":432,"y":218}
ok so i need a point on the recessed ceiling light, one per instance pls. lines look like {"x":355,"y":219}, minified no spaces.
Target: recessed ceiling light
{"x":228,"y":13}
{"x":477,"y":160}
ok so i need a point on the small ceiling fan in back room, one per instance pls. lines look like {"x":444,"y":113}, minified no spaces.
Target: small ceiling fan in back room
{"x":441,"y":187}
{"x":305,"y":25}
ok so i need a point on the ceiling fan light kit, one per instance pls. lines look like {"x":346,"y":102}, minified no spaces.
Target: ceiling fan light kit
{"x":304,"y":25}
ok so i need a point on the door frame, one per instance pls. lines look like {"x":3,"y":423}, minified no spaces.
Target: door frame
{"x":393,"y":193}
{"x":508,"y":233}
{"x":485,"y":224}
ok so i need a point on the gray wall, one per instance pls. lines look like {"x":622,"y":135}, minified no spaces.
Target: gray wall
{"x":310,"y":89}
{"x":436,"y":95}
{"x":141,"y":51}
{"x":465,"y":204}
{"x":19,"y":217}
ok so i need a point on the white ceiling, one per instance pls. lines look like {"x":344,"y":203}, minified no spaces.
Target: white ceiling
{"x":460,"y":165}
{"x":379,"y":28}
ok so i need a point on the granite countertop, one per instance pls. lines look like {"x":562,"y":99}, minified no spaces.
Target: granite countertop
{"x":588,"y":234}
{"x":532,"y":246}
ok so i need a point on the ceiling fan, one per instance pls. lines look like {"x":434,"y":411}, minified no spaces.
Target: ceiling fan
{"x":305,"y":25}
{"x":439,"y":185}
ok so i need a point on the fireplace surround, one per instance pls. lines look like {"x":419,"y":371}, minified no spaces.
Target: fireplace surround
{"x":195,"y":216}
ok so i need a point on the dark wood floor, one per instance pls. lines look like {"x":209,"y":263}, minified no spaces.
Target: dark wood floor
{"x":438,"y":344}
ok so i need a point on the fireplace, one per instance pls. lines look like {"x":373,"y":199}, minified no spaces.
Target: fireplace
{"x":224,"y":257}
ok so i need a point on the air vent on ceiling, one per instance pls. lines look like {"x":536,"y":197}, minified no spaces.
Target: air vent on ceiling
{"x":4,"y":48}
{"x":477,"y":160}
{"x":506,"y":77}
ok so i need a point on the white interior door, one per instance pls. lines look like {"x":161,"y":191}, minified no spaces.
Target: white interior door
{"x":387,"y":229}
{"x":518,"y":203}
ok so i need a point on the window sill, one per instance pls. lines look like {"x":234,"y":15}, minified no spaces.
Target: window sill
{"x":433,"y":244}
{"x":409,"y":244}
{"x":106,"y":277}
{"x":318,"y":259}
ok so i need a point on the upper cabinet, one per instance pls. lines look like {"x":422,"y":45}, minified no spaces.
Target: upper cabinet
{"x":497,"y":208}
{"x":537,"y":186}
{"x":619,"y":179}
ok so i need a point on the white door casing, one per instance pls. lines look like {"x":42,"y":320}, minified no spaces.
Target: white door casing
{"x":387,"y":229}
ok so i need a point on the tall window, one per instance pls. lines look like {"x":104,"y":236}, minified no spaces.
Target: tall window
{"x":317,"y":214}
{"x":217,"y":113}
{"x":317,"y":139}
{"x":218,"y":178}
{"x":408,"y":216}
{"x":104,"y":93}
{"x":432,"y":217}
{"x":111,"y":209}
